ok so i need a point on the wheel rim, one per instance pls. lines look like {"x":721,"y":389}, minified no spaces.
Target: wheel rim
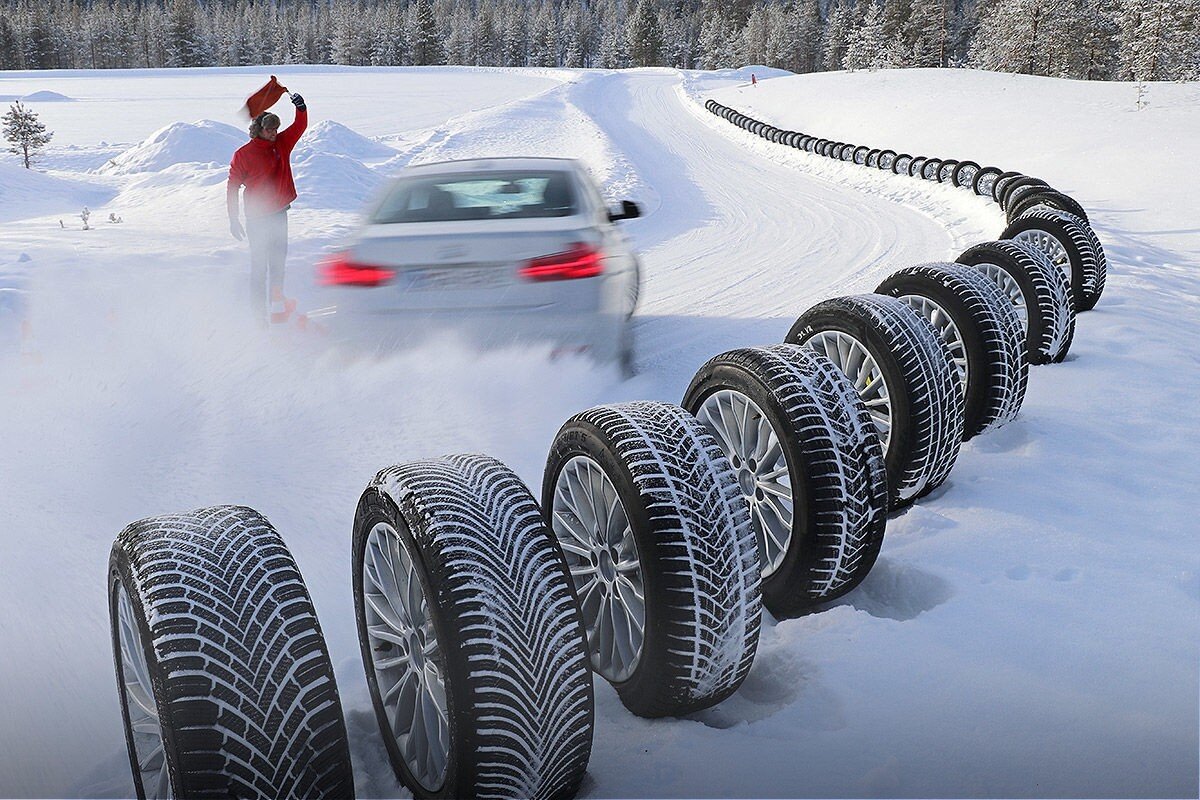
{"x":148,"y":746}
{"x":857,"y":364}
{"x":1049,"y":245}
{"x":590,"y":522}
{"x":754,"y":450}
{"x":947,"y":331}
{"x":405,"y":656}
{"x":1011,"y":289}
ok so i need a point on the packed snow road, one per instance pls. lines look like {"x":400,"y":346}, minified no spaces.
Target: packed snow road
{"x":1005,"y":644}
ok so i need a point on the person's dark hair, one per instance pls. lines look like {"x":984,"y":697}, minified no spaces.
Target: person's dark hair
{"x":265,"y":121}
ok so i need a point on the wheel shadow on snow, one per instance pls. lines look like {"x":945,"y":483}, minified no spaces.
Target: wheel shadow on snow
{"x":898,"y":591}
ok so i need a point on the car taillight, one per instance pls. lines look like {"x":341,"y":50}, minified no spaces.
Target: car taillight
{"x":579,"y":261}
{"x":339,"y":270}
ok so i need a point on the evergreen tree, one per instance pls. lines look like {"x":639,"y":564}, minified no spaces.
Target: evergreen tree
{"x":421,"y":33}
{"x":865,"y":43}
{"x":926,"y":32}
{"x":24,"y":132}
{"x":836,"y":34}
{"x":644,"y":36}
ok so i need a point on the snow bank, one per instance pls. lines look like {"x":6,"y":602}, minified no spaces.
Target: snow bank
{"x":335,"y":138}
{"x":334,"y":181}
{"x":203,"y":142}
{"x":47,"y":96}
{"x":28,"y":193}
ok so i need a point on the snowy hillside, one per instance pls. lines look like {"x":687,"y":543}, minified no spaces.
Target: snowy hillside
{"x":1032,"y":628}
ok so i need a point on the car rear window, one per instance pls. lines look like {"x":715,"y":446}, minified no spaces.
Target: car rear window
{"x":490,"y":195}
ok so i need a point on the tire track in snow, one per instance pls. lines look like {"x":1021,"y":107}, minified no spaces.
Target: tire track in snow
{"x":735,"y":246}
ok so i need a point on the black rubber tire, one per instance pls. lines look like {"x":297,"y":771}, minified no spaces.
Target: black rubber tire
{"x":819,"y":146}
{"x":1045,"y":294}
{"x":501,"y":602}
{"x":1017,"y":186}
{"x":859,"y":155}
{"x":1086,"y":263}
{"x":848,"y":151}
{"x":916,"y":165}
{"x":886,"y":159}
{"x":930,"y":169}
{"x":922,"y":381}
{"x":946,"y":171}
{"x":872,"y":159}
{"x":806,"y":143}
{"x":835,"y":151}
{"x":242,"y":681}
{"x":834,"y":463}
{"x":993,"y":341}
{"x":964,"y":174}
{"x":1003,"y":180}
{"x":710,"y":105}
{"x":695,"y":544}
{"x":901,"y":164}
{"x":1052,"y":198}
{"x":984,"y":180}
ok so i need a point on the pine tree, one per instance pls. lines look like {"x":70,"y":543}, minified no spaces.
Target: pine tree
{"x":865,"y":44}
{"x":926,"y":32}
{"x":644,"y":36}
{"x":24,"y":132}
{"x":421,"y":32}
{"x":836,"y":33}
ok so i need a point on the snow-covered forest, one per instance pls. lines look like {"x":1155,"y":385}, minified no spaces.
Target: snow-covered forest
{"x":1089,"y":39}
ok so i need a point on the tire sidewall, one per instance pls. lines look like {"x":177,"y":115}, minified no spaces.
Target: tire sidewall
{"x":375,"y":507}
{"x":976,"y":393}
{"x":828,"y":319}
{"x":777,"y":590}
{"x":582,"y":438}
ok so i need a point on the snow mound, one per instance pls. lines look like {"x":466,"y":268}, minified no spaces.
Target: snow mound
{"x":46,"y":96}
{"x":334,"y":181}
{"x":334,"y":138}
{"x":203,"y":142}
{"x":28,"y":193}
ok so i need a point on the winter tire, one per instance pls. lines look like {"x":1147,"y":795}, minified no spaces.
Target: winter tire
{"x":471,"y":639}
{"x":819,"y":146}
{"x":662,"y":550}
{"x":225,"y":683}
{"x":860,"y":154}
{"x":964,"y":174}
{"x":931,"y":169}
{"x":809,"y":464}
{"x":1050,"y":198}
{"x":886,"y":159}
{"x":1002,"y":180}
{"x":1071,"y":244}
{"x":916,"y":166}
{"x":984,"y":181}
{"x":1038,"y":290}
{"x":872,"y":159}
{"x":908,"y":382}
{"x":980,"y":326}
{"x":901,"y":164}
{"x":848,"y":151}
{"x":945,"y":172}
{"x":1019,"y":186}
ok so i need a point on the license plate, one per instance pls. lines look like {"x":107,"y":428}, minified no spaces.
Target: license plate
{"x":435,"y":278}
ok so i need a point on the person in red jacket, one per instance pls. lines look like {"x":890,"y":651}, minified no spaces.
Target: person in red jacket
{"x":263,"y":167}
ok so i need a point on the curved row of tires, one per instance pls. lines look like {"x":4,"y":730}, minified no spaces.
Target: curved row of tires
{"x":1037,"y":213}
{"x":661,"y":534}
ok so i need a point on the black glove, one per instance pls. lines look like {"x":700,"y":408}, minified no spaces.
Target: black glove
{"x":298,"y":102}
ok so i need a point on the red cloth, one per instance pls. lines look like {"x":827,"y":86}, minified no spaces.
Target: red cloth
{"x":263,"y":167}
{"x":264,"y":98}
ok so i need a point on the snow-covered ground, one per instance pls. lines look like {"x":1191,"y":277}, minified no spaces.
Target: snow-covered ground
{"x":1031,"y":629}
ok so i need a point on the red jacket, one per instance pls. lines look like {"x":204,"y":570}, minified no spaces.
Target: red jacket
{"x":262,"y":166}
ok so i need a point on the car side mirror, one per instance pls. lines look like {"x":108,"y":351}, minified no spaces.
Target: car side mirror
{"x":629,"y":210}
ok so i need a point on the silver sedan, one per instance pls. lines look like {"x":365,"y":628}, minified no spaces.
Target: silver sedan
{"x":491,"y":250}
